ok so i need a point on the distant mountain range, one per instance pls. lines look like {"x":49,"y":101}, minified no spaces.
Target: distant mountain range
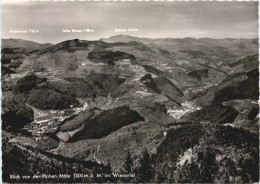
{"x":227,"y":47}
{"x":20,"y":43}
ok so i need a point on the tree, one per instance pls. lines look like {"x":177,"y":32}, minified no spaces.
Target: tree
{"x":128,"y":165}
{"x":145,"y":171}
{"x":108,"y":169}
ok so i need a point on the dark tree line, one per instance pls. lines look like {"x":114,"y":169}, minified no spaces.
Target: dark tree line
{"x":219,"y":154}
{"x":29,"y":161}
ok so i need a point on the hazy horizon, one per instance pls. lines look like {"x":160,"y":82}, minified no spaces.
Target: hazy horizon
{"x":135,"y":37}
{"x":217,"y":20}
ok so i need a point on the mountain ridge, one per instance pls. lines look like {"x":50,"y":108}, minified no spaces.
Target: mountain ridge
{"x":21,"y":43}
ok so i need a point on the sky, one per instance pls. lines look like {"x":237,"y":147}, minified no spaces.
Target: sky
{"x":151,"y":19}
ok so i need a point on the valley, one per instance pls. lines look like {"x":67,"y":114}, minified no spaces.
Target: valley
{"x":171,"y":104}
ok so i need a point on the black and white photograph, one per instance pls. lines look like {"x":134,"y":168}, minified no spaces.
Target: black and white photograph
{"x":129,"y":91}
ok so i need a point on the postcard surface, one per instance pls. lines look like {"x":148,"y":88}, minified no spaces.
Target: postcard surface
{"x":129,"y":92}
